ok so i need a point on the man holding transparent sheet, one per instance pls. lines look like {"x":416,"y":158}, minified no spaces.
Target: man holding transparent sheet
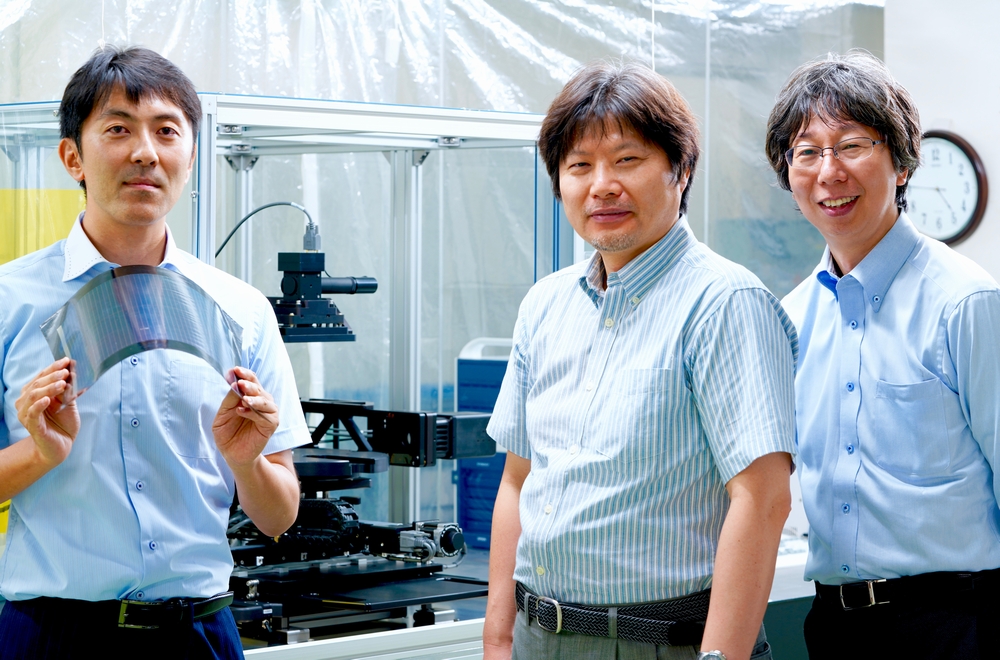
{"x":121,"y":490}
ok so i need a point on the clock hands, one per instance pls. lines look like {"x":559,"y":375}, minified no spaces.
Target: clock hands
{"x":939,"y":191}
{"x":946,"y":203}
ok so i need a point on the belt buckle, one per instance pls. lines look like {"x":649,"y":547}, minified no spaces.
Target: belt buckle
{"x":553,"y":601}
{"x":871,"y":596}
{"x":123,"y":614}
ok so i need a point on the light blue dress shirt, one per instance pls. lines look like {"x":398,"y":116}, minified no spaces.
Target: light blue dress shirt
{"x":636,"y":405}
{"x":898,"y":407}
{"x":140,"y":507}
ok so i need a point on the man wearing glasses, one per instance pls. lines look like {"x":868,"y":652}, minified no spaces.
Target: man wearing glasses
{"x":897,"y":398}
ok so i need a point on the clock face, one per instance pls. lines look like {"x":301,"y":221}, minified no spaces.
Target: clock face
{"x":944,"y":194}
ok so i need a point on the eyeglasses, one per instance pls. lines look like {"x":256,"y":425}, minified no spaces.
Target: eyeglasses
{"x":807,"y":156}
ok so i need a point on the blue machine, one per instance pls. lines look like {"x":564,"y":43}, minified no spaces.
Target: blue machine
{"x":477,"y":384}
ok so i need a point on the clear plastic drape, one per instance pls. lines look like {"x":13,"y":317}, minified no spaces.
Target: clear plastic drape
{"x":728,"y":57}
{"x":501,"y":54}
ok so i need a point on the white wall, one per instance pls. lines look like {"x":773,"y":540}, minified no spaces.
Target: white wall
{"x":946,"y":54}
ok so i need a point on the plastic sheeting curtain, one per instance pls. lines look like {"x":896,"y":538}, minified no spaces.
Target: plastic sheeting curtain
{"x":729,"y":58}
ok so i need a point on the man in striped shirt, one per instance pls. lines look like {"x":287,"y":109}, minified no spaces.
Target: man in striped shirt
{"x":647,"y":408}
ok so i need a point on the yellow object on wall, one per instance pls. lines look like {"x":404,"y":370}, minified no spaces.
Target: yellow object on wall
{"x":32,"y":219}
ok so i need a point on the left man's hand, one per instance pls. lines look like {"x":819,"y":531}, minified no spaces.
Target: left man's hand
{"x":267,"y":486}
{"x":245,"y":421}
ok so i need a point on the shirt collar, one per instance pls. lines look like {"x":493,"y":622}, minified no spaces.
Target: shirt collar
{"x":639,"y":275}
{"x":879,"y":267}
{"x":81,"y":255}
{"x":826,"y":272}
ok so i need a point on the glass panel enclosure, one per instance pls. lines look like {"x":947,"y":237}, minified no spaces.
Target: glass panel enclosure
{"x":449,"y":209}
{"x":440,"y":206}
{"x":729,"y":60}
{"x":38,"y":200}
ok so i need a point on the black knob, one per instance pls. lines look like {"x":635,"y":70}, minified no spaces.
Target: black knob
{"x":452,"y":540}
{"x":289,"y":285}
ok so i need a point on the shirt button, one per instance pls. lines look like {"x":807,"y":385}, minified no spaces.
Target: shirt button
{"x":540,"y":570}
{"x":845,"y":569}
{"x":854,"y":325}
{"x":139,"y":594}
{"x":152,"y":545}
{"x":139,"y":485}
{"x":876,"y":299}
{"x":608,"y":323}
{"x":548,"y":509}
{"x":850,"y":387}
{"x":133,"y":360}
{"x":635,"y":300}
{"x":590,"y":386}
{"x":573,"y":450}
{"x":134,"y":422}
{"x":846,"y":508}
{"x":850,"y":449}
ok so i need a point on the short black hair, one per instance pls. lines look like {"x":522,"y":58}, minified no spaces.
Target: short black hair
{"x":853,"y":87}
{"x":140,"y":72}
{"x":636,"y":98}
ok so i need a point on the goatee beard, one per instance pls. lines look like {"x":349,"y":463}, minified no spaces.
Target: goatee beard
{"x":615,"y":242}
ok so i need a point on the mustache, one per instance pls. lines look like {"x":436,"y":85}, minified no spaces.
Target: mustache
{"x":592,"y":210}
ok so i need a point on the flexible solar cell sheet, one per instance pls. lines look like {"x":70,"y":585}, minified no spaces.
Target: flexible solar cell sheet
{"x":132,"y":309}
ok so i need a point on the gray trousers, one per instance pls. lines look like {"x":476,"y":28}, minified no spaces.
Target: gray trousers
{"x":531,"y":642}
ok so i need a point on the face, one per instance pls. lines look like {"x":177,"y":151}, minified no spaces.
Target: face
{"x":134,"y":158}
{"x":619,"y":193}
{"x":851,"y":203}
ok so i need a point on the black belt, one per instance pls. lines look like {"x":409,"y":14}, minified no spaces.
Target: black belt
{"x":676,"y":622}
{"x":913,"y":589}
{"x":162,"y":613}
{"x":136,"y":614}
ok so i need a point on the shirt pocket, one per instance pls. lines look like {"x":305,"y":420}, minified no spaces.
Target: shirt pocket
{"x":637,"y":433}
{"x":194,"y":393}
{"x":910,"y":429}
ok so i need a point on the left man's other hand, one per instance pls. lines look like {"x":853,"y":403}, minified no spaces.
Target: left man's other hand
{"x":245,"y":421}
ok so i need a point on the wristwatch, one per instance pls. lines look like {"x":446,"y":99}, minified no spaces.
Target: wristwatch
{"x":711,"y":655}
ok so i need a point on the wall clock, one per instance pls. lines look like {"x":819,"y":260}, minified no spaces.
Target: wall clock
{"x":947,"y":194}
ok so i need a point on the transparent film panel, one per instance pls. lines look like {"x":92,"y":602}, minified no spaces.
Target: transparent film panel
{"x":347,"y":195}
{"x":180,"y":217}
{"x":735,"y":203}
{"x":38,"y":199}
{"x":478,"y":263}
{"x":752,"y":220}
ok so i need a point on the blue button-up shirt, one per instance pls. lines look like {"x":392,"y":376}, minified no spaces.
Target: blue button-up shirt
{"x":636,"y":405}
{"x":140,"y":507}
{"x":898,"y":411}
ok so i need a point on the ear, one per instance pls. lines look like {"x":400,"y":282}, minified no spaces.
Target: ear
{"x":194,"y":156}
{"x":682,"y":181}
{"x":902,"y":176}
{"x":71,"y":158}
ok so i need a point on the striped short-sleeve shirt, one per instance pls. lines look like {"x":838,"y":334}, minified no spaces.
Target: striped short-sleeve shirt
{"x":636,"y":404}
